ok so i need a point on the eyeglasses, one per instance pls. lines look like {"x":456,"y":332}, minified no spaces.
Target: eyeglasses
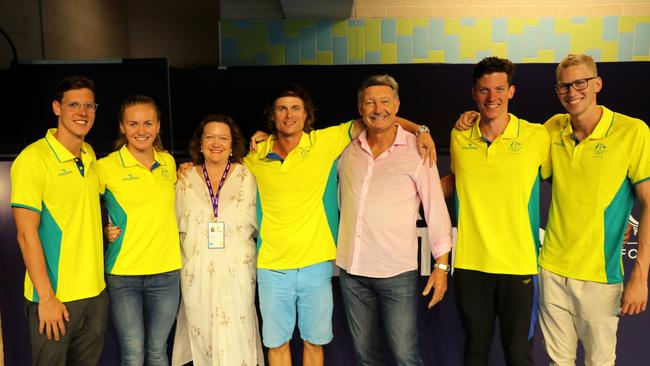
{"x":580,"y":84}
{"x":76,"y":106}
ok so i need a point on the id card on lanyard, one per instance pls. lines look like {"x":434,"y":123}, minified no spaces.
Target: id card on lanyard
{"x":216,"y":227}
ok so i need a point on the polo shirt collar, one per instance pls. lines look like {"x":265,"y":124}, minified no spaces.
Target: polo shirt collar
{"x":510,"y":132}
{"x":305,"y":141}
{"x":602,"y":127}
{"x":60,"y":151}
{"x":128,"y":160}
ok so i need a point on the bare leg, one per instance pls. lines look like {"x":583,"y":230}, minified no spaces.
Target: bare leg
{"x":280,"y":356}
{"x":312,"y":354}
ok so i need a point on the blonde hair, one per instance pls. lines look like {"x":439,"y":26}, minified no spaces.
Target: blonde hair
{"x":574,"y":60}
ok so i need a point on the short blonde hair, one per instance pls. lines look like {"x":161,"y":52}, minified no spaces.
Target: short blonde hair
{"x":576,"y":59}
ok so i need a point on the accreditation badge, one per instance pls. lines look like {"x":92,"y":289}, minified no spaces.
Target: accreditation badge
{"x":216,"y":235}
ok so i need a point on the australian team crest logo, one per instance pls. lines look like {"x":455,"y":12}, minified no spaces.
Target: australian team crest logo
{"x":515,"y":146}
{"x":469,"y":146}
{"x":600,"y":149}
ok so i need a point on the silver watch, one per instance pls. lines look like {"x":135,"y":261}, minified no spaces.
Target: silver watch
{"x":421,"y":130}
{"x":442,"y":266}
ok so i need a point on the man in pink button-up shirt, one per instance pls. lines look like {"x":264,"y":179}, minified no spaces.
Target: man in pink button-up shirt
{"x":382,"y":183}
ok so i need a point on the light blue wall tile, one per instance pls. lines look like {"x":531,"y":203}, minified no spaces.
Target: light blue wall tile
{"x":436,"y":34}
{"x":373,"y":57}
{"x":452,"y":48}
{"x":625,"y":43}
{"x":515,"y":48}
{"x":243,"y":24}
{"x":420,"y":42}
{"x":642,"y":40}
{"x":610,"y":28}
{"x":356,"y":22}
{"x":260,"y":58}
{"x":531,"y":41}
{"x":340,"y":50}
{"x":229,"y":51}
{"x":388,"y":31}
{"x":546,"y":33}
{"x":595,"y":53}
{"x":499,"y":29}
{"x":481,"y":54}
{"x":324,"y":35}
{"x":276,"y":32}
{"x":561,"y":46}
{"x":292,"y":51}
{"x":308,"y":43}
{"x":579,"y":20}
{"x":470,"y":22}
{"x":404,"y":49}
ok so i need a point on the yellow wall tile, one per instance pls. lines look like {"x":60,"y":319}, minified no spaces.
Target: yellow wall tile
{"x":324,"y":57}
{"x":437,"y":56}
{"x":452,"y":26}
{"x":499,"y":49}
{"x":562,"y":25}
{"x":389,"y":53}
{"x":640,"y":58}
{"x":609,"y":51}
{"x":546,"y":56}
{"x":373,"y":35}
{"x":515,"y":26}
{"x":468,"y":42}
{"x":420,"y":60}
{"x":340,"y":28}
{"x":483,"y":32}
{"x":642,"y":19}
{"x":626,"y":24}
{"x":306,"y":61}
{"x":277,"y":54}
{"x":404,"y":27}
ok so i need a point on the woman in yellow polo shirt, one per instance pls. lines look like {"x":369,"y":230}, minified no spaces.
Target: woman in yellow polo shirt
{"x":137,"y":184}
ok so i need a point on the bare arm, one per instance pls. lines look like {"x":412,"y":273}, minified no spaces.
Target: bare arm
{"x":448,"y":183}
{"x":51,"y":311}
{"x":635,"y":295}
{"x":437,"y":281}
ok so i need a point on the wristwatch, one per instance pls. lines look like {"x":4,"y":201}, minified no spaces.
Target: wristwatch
{"x":421,"y":130}
{"x":442,"y":266}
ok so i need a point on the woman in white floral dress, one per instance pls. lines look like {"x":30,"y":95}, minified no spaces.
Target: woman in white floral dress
{"x":215,"y":205}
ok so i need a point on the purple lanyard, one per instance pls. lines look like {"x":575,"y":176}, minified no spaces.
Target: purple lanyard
{"x":215,"y":199}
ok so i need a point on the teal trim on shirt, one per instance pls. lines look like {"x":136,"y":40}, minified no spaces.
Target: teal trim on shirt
{"x":331,"y":201}
{"x":118,"y":218}
{"x":533,"y":212}
{"x":50,"y":235}
{"x":26,"y":207}
{"x":259,"y":214}
{"x":616,"y":217}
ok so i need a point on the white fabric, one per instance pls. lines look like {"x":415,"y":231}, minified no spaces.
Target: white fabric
{"x":217,"y":321}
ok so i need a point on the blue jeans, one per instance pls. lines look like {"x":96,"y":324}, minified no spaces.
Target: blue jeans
{"x":391,"y":302}
{"x":144,"y":309}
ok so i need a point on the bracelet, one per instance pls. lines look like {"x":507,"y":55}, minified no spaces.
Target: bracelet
{"x":442,"y":266}
{"x":421,"y":130}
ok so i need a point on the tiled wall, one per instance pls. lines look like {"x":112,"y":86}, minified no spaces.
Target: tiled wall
{"x":418,"y":40}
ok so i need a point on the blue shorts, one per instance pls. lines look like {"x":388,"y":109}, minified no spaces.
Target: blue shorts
{"x":307,"y":291}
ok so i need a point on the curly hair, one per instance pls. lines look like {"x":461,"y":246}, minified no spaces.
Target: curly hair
{"x":291,"y":90}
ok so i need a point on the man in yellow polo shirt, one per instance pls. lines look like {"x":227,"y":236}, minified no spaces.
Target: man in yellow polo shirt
{"x":496,"y":166}
{"x":55,"y":202}
{"x":295,"y":171}
{"x":600,"y":160}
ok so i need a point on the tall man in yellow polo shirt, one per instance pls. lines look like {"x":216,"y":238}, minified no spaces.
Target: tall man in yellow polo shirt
{"x":55,"y":201}
{"x":295,"y":171}
{"x":496,"y":166}
{"x":600,"y":160}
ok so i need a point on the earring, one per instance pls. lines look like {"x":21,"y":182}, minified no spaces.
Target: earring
{"x":201,"y":150}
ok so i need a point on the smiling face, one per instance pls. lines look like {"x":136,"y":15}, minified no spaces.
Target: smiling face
{"x":492,"y":93}
{"x":378,"y":106}
{"x":577,"y":102}
{"x":216,"y":142}
{"x":140,"y":125}
{"x":289,"y":115}
{"x":75,"y":116}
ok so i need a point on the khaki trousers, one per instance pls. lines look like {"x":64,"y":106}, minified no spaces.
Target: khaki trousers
{"x":572,"y":310}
